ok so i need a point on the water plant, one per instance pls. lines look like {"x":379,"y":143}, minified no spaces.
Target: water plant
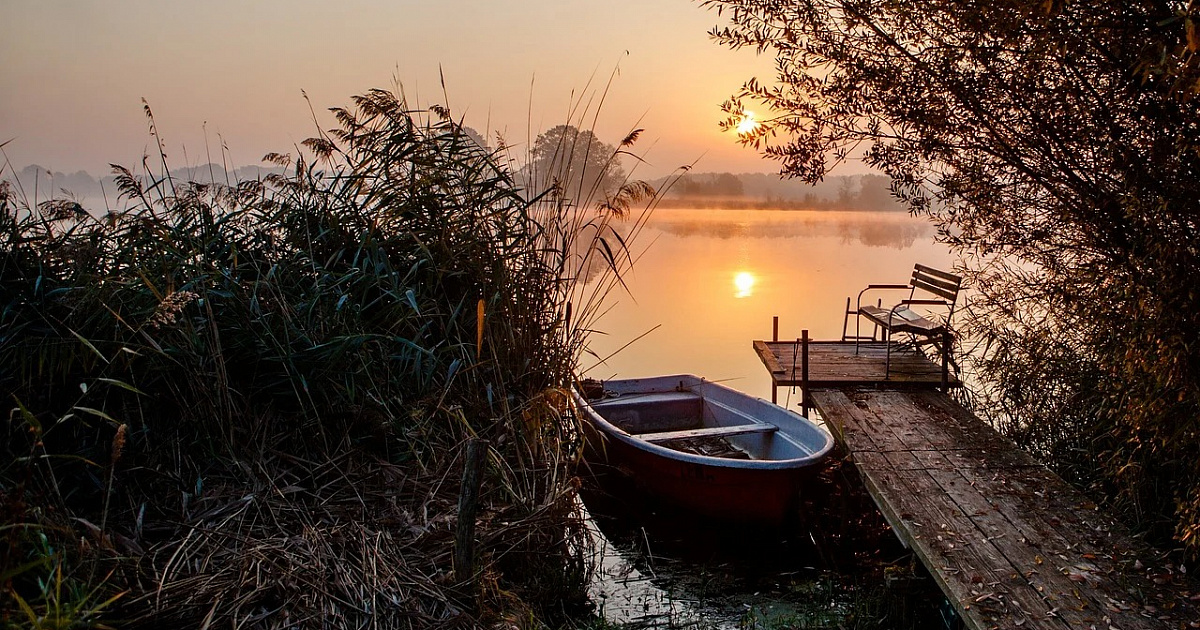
{"x":248,"y":402}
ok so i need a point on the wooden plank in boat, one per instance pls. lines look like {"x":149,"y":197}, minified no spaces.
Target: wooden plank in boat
{"x":663,"y":436}
{"x":644,"y":399}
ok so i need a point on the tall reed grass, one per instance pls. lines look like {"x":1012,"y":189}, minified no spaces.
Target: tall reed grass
{"x":245,"y":404}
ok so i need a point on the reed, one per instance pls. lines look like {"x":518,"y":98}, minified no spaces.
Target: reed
{"x":246,"y":404}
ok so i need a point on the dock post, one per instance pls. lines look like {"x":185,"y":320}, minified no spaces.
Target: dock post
{"x":804,"y":373}
{"x":774,"y":337}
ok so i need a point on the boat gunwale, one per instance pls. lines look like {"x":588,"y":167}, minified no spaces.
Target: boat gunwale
{"x":615,"y":432}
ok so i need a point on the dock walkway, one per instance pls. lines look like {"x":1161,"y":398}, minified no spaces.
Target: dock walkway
{"x":812,"y":364}
{"x":1010,"y":543}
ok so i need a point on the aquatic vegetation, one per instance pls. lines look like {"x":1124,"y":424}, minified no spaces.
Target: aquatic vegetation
{"x":250,"y":402}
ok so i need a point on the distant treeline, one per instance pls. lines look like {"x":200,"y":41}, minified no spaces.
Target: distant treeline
{"x":36,"y":183}
{"x":695,"y":190}
{"x":765,"y":190}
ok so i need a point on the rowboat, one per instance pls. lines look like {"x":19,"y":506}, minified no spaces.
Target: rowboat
{"x":702,"y":446}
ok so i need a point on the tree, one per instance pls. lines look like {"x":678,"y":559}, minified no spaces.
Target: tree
{"x":710,"y":185}
{"x":476,"y":138}
{"x":1057,"y":143}
{"x":727,"y":184}
{"x":581,"y":164}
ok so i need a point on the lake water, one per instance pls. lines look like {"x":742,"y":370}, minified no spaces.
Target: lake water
{"x":707,"y":285}
{"x":711,"y":280}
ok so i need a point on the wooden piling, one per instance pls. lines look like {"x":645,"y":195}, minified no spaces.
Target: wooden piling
{"x":468,"y":507}
{"x":775,"y":338}
{"x":804,"y":373}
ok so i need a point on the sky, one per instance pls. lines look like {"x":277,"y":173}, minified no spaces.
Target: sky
{"x":74,"y":72}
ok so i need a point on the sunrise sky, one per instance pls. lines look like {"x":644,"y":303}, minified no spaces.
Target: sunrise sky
{"x":73,"y":73}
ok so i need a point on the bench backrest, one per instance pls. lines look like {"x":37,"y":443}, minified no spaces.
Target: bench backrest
{"x":940,"y":283}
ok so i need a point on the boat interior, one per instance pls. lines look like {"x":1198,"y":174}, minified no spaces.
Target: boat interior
{"x":689,"y":422}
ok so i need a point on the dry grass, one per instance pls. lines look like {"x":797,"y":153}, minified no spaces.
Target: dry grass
{"x":244,"y":406}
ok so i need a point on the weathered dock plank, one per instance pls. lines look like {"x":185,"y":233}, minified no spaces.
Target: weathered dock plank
{"x":834,"y":364}
{"x":1010,"y":543}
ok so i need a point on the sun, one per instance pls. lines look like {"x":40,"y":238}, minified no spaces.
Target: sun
{"x":747,"y":124}
{"x":744,"y":283}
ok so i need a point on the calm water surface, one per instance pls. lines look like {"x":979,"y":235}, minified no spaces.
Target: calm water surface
{"x":711,"y":280}
{"x":708,"y":284}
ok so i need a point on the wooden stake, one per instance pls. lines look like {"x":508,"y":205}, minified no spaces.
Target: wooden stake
{"x":774,"y":337}
{"x":804,"y":373}
{"x":468,"y":506}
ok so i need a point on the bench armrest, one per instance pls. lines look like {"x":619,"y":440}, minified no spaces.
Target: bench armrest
{"x":880,"y":286}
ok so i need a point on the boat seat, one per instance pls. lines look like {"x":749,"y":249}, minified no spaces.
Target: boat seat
{"x":737,"y":429}
{"x":644,"y":399}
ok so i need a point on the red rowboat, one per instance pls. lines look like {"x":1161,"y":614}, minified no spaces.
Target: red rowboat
{"x":703,"y":446}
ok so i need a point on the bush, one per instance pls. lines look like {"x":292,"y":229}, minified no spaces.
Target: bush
{"x":249,"y":401}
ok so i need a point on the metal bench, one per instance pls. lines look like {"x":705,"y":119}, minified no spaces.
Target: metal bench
{"x":928,"y":287}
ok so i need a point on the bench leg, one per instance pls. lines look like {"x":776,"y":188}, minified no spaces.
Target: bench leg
{"x":857,"y":326}
{"x":946,"y":341}
{"x":887,"y":357}
{"x":846,"y":319}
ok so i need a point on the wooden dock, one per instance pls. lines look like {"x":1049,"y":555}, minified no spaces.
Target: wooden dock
{"x":1010,"y":543}
{"x":831,"y":364}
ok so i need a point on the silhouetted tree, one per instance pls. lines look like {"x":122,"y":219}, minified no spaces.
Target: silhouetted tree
{"x":713,"y":184}
{"x":475,"y":137}
{"x":875,"y":193}
{"x":1058,"y":146}
{"x":727,"y":184}
{"x":583,"y":165}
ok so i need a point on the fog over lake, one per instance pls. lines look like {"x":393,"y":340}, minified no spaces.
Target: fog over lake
{"x":709,"y":282}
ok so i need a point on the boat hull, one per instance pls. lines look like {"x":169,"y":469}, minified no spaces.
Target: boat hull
{"x":764,"y":488}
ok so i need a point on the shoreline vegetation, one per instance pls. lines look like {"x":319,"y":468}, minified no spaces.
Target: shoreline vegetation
{"x":266,"y":402}
{"x":1068,"y":185}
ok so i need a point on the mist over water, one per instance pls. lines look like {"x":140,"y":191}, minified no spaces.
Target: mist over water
{"x":711,"y":280}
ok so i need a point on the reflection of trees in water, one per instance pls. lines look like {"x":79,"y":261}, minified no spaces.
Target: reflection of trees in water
{"x":597,"y":245}
{"x":871,"y":230}
{"x":896,"y":235}
{"x":588,"y":246}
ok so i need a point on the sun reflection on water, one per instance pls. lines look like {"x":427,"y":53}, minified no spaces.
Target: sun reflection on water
{"x":744,"y":281}
{"x":713,"y":279}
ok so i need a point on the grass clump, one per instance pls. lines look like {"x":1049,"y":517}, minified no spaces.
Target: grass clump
{"x":246,"y":404}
